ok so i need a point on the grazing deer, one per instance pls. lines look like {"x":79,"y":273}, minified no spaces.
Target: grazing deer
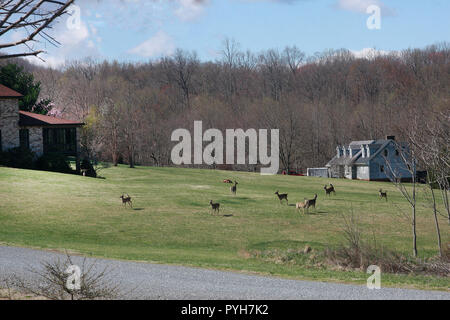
{"x":302,"y":205}
{"x":329,"y":190}
{"x":383,"y":194}
{"x":282,"y":196}
{"x":312,"y":202}
{"x":227,"y":181}
{"x":233,"y":188}
{"x":214,"y":206}
{"x":126,"y":200}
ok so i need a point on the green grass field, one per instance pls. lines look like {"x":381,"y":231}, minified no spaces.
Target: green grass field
{"x":171,"y":221}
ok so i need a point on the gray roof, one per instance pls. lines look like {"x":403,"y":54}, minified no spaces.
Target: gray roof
{"x":376,"y":146}
{"x":342,"y":161}
{"x":359,"y":143}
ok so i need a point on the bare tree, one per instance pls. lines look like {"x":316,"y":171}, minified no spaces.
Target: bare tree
{"x":34,"y":18}
{"x":180,"y":70}
{"x":431,"y":140}
{"x":396,"y":175}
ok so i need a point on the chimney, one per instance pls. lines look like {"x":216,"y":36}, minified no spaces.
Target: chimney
{"x":338,"y":150}
{"x":390,"y":137}
{"x":344,"y":152}
{"x":363,"y":151}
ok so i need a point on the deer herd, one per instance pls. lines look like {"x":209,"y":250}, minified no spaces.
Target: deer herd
{"x":304,"y":205}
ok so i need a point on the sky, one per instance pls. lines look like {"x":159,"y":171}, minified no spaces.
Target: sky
{"x":142,"y":30}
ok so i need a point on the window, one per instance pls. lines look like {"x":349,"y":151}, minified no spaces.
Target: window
{"x":381,"y":168}
{"x":386,"y":152}
{"x":24,"y":136}
{"x":397,"y":153}
{"x":60,"y":140}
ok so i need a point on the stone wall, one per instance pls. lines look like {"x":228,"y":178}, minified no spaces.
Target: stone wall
{"x":9,"y":123}
{"x":36,"y":140}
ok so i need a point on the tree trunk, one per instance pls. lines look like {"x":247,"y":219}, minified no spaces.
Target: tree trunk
{"x":444,"y":194}
{"x":436,"y":221}
{"x":414,"y":212}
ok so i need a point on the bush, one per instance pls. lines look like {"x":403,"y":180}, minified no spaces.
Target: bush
{"x":53,"y":162}
{"x":87,"y":166}
{"x":359,"y":253}
{"x":17,"y":158}
{"x":52,"y":281}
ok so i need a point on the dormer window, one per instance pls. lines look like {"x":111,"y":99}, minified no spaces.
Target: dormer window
{"x":381,"y":168}
{"x":386,"y":153}
{"x":397,"y":153}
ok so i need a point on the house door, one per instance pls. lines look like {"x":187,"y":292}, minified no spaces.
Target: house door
{"x":353,"y":172}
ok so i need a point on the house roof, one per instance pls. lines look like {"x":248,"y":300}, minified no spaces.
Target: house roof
{"x":6,"y":92}
{"x":37,"y":120}
{"x":375,"y":146}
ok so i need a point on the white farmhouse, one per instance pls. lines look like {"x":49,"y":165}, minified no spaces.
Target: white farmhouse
{"x":368,"y":160}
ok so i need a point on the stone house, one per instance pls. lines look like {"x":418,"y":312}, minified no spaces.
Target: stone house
{"x":367,"y":160}
{"x":39,"y":133}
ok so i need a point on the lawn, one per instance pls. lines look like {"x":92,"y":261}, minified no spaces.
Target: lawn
{"x":171,"y":220}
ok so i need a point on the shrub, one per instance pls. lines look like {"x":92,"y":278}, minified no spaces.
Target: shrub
{"x":87,"y":166}
{"x":53,"y":162}
{"x":360,"y":253}
{"x":17,"y":158}
{"x":52,"y":281}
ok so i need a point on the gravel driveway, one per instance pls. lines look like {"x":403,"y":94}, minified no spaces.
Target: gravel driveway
{"x":156,"y":281}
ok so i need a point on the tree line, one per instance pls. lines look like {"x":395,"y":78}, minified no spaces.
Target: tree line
{"x":317,"y":102}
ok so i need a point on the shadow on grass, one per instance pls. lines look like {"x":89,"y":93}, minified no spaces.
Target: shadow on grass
{"x":317,"y":213}
{"x":138,"y":209}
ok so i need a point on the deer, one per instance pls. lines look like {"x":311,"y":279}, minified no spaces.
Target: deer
{"x":233,"y":188}
{"x":214,"y":206}
{"x":126,"y":200}
{"x":312,"y":202}
{"x":329,"y":190}
{"x":282,"y":196}
{"x":302,"y":205}
{"x":383,"y":194}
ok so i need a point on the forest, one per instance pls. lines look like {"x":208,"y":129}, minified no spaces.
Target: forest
{"x":317,"y":102}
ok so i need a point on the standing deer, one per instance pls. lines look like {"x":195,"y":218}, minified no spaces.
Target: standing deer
{"x":233,"y":188}
{"x":312,"y":202}
{"x":126,"y":200}
{"x":214,"y":206}
{"x":282,"y":196}
{"x":329,"y":190}
{"x":383,"y":194}
{"x":302,"y":205}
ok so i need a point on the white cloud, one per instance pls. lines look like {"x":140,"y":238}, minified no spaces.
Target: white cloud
{"x":370,"y":53}
{"x":72,"y":37}
{"x":159,"y":44}
{"x":74,"y":43}
{"x":190,"y":9}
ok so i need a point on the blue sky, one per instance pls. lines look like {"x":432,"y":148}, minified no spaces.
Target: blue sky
{"x":139,"y":30}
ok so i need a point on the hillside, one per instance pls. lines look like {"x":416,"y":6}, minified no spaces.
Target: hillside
{"x":171,"y":220}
